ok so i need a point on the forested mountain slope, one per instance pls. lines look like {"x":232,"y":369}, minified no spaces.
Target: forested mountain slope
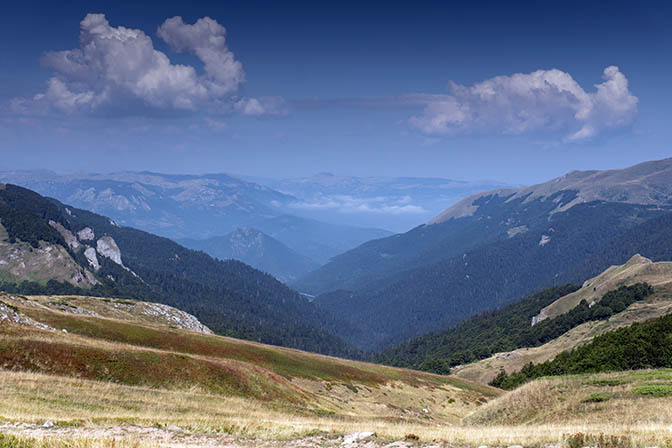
{"x":496,"y":247}
{"x":487,"y":217}
{"x":256,"y":249}
{"x":228,"y":296}
{"x":443,"y":294}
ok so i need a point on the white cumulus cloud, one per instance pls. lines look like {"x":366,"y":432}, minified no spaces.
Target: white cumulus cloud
{"x":118,"y":70}
{"x":207,"y":40}
{"x":544,"y":100}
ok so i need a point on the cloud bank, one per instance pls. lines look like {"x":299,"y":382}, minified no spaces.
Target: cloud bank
{"x":545,"y":100}
{"x":117,"y":70}
{"x":387,"y":205}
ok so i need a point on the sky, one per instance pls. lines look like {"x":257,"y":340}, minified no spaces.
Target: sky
{"x":516,"y":92}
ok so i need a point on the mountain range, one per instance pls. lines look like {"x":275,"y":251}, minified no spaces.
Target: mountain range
{"x":495,"y":247}
{"x":483,"y":253}
{"x":318,"y":217}
{"x":195,"y":207}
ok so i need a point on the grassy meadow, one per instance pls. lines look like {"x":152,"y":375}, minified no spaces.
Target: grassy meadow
{"x":123,"y":377}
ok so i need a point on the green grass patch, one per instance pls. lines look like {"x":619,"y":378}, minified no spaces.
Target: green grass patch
{"x":607,"y":382}
{"x":654,"y":390}
{"x":580,"y":440}
{"x":662,"y":374}
{"x":598,"y":397}
{"x":8,"y":441}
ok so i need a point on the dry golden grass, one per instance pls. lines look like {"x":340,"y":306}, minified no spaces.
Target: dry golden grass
{"x":18,"y":441}
{"x":114,"y":375}
{"x":537,"y":416}
{"x":568,"y":399}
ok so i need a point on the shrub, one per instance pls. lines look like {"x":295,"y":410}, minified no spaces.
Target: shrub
{"x":597,"y":397}
{"x":607,"y":382}
{"x":654,"y":390}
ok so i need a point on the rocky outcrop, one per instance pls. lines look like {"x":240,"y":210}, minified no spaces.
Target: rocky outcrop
{"x":19,"y":261}
{"x":107,"y":247}
{"x":86,"y":234}
{"x":90,"y":254}
{"x":174,"y":317}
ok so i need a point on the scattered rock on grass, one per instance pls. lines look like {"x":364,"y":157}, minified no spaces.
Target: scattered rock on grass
{"x":356,"y":437}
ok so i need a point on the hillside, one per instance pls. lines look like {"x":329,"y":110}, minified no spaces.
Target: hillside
{"x":644,"y":183}
{"x":228,"y":296}
{"x":122,"y":374}
{"x":641,"y":345}
{"x":143,"y":344}
{"x":495,"y":248}
{"x":584,"y":400}
{"x":476,"y":338}
{"x":256,"y":249}
{"x":638,"y":269}
{"x":490,"y":276}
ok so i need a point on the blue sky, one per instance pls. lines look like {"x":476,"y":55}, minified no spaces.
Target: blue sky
{"x":481,"y":90}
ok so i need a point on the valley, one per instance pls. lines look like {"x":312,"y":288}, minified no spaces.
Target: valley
{"x":111,"y":332}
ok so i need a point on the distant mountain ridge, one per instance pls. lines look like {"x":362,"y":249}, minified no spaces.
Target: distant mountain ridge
{"x":256,"y":249}
{"x":170,"y":205}
{"x":395,"y":203}
{"x":496,"y":247}
{"x":195,"y":207}
{"x":317,"y":240}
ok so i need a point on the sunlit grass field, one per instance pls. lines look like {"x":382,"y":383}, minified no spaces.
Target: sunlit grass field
{"x":106,"y":373}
